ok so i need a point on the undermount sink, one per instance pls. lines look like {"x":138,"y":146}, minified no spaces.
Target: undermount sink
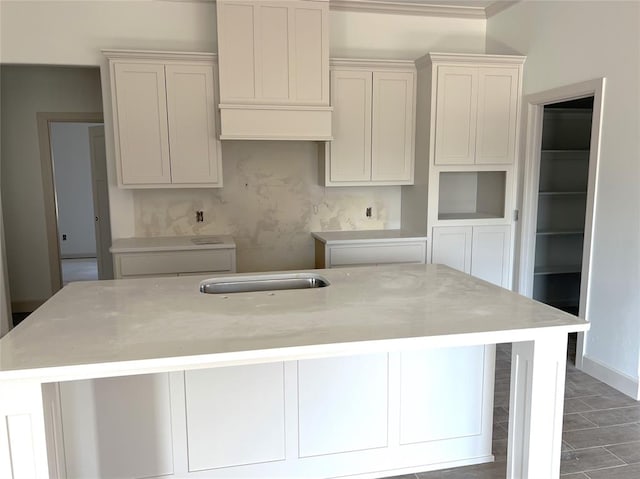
{"x":264,"y":282}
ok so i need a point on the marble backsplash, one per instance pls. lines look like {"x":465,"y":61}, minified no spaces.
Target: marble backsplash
{"x":270,"y":202}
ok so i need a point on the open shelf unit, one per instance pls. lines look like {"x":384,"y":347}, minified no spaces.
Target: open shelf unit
{"x":471,"y":195}
{"x":562,"y":199}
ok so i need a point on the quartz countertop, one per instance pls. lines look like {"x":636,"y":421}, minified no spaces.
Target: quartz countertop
{"x":334,"y":237}
{"x":113,"y":328}
{"x":171,"y":243}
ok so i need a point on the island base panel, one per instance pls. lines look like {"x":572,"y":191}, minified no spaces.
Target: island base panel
{"x":292,"y":419}
{"x":536,"y":407}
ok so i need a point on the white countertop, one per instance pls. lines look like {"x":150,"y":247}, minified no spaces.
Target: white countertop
{"x":369,"y":236}
{"x":112,"y":328}
{"x":171,"y":243}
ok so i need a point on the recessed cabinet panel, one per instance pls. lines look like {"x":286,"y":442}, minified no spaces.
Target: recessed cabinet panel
{"x":460,"y":389}
{"x":311,"y":55}
{"x":351,"y":147}
{"x":490,"y":254}
{"x":452,"y":247}
{"x":342,"y":404}
{"x":235,"y":415}
{"x":237,"y":70}
{"x":141,"y":123}
{"x":497,"y":109}
{"x":273,"y":53}
{"x":392,"y":145}
{"x":191,"y":114}
{"x":117,"y":427}
{"x":456,"y":106}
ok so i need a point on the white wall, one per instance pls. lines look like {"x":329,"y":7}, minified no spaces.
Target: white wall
{"x":72,"y":170}
{"x":73,"y":33}
{"x":569,"y":42}
{"x":25,"y":91}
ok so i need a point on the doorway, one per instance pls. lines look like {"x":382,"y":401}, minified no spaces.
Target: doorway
{"x":563,"y":146}
{"x":76,"y":197}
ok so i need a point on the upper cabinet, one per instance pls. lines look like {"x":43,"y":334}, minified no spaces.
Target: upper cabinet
{"x":164,"y":119}
{"x":274,"y":69}
{"x":476,"y":105}
{"x":373,"y":124}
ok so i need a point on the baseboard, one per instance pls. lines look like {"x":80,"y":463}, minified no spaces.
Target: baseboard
{"x":28,"y":306}
{"x":616,"y":379}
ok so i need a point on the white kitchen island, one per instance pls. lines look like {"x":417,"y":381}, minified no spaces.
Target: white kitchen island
{"x":256,"y":367}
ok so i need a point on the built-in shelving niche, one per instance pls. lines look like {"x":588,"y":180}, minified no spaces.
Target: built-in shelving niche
{"x":562,"y":200}
{"x":471,"y":195}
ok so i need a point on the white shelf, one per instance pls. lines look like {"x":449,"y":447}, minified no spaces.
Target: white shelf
{"x":467,"y":216}
{"x":557,"y":269}
{"x":562,"y":193}
{"x":559,"y":232}
{"x":560,"y":151}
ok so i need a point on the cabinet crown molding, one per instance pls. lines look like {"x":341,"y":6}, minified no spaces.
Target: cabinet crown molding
{"x":408,"y":8}
{"x":159,"y":55}
{"x":471,"y":58}
{"x":371,"y":64}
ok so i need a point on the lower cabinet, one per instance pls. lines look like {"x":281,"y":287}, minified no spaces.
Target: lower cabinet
{"x":482,"y":251}
{"x":312,"y":418}
{"x":174,"y":263}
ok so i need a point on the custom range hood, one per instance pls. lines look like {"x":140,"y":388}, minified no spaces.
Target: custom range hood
{"x":274,"y":70}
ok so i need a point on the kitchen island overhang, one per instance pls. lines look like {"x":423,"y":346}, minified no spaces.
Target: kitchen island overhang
{"x":118,"y":328}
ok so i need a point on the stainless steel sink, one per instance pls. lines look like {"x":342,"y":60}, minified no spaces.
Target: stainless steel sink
{"x":263,"y":282}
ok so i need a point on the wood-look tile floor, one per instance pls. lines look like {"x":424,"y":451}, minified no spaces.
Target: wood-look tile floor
{"x":601,"y":430}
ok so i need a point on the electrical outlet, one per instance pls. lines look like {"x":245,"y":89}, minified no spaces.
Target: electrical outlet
{"x":199,"y":216}
{"x":64,"y":237}
{"x":368,"y":212}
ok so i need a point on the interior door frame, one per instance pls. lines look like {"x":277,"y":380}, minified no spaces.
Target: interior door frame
{"x":534,"y":105}
{"x":44,"y":119}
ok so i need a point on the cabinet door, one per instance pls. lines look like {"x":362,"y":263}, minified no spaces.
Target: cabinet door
{"x":392,"y":126}
{"x":235,"y":415}
{"x":142,"y":139}
{"x":497,"y":109}
{"x":342,"y":404}
{"x":490,"y":254}
{"x":192,"y":129}
{"x":351,"y":145}
{"x":273,"y":62}
{"x":117,"y":427}
{"x":236,"y":50}
{"x":311,"y":51}
{"x":456,"y":108}
{"x":452,"y":247}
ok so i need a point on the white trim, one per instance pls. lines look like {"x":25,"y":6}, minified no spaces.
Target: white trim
{"x":407,"y":8}
{"x":535,"y":109}
{"x":614,"y":378}
{"x":369,"y":64}
{"x":138,"y":55}
{"x":499,"y":6}
{"x":478,"y":59}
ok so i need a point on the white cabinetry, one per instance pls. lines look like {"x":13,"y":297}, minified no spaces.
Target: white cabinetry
{"x":173,"y":256}
{"x":468,"y":109}
{"x":373,"y":124}
{"x":315,"y":418}
{"x":274,"y":69}
{"x":475,"y":113}
{"x":482,"y":251}
{"x":164,"y":119}
{"x":373,"y":247}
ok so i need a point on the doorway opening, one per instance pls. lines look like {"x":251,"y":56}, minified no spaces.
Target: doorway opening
{"x":563,"y":146}
{"x":76,"y":196}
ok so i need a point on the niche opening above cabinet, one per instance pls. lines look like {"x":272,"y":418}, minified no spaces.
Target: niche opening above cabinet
{"x":471,"y":195}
